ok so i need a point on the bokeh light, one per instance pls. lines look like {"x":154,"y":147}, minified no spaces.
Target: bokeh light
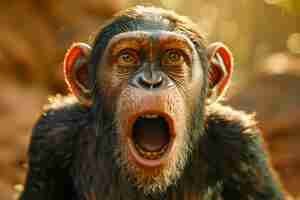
{"x":293,"y":43}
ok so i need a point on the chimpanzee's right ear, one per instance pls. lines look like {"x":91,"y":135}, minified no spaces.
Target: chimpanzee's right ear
{"x":76,"y":72}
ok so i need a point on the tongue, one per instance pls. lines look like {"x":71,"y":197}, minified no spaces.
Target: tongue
{"x":151,"y":134}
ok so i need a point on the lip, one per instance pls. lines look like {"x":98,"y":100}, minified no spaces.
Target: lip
{"x":147,"y":163}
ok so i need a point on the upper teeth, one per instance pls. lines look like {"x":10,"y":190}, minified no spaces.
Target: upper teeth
{"x":150,"y":116}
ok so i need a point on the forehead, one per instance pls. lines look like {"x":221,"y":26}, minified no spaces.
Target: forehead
{"x":147,"y":22}
{"x":144,"y":38}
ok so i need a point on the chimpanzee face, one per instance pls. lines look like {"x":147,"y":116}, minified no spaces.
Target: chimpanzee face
{"x":155,"y":78}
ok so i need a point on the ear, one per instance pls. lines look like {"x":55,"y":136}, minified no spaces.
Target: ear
{"x":220,"y":70}
{"x":76,"y":72}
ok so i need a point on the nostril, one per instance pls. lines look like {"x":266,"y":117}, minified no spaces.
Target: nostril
{"x":157,"y":84}
{"x":143,"y":83}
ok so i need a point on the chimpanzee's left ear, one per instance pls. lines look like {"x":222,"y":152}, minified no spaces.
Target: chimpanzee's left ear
{"x":220,"y":70}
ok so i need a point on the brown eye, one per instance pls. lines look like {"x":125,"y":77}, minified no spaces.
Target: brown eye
{"x":128,"y":57}
{"x":173,"y":57}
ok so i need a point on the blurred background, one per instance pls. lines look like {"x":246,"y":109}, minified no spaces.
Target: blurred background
{"x":263,"y":35}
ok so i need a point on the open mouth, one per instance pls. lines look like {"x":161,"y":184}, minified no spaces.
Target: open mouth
{"x":151,"y":136}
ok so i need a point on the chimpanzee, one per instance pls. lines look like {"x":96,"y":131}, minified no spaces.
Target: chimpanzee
{"x":143,"y":122}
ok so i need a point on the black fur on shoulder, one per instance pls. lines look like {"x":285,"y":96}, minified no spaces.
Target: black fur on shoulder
{"x":236,"y":147}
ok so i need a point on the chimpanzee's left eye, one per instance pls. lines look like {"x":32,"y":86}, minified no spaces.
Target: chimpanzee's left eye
{"x":172,"y":57}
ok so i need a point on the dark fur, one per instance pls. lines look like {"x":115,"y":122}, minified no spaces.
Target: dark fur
{"x":229,"y":161}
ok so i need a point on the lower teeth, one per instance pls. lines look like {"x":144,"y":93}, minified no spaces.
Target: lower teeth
{"x":151,"y":155}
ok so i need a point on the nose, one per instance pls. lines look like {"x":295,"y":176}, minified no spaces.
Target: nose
{"x":149,"y":81}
